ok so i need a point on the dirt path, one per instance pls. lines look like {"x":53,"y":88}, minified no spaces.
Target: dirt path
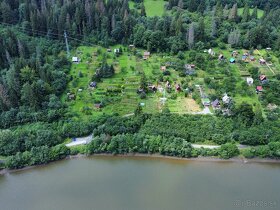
{"x":80,"y":141}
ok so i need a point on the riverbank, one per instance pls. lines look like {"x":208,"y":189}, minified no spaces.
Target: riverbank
{"x":200,"y":158}
{"x":157,"y":156}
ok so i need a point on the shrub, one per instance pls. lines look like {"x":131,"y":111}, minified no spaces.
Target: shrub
{"x":228,"y":151}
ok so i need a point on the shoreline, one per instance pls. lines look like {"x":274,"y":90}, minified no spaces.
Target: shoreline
{"x":154,"y":156}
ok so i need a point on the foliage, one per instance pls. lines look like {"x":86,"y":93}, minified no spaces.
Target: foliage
{"x":228,"y":150}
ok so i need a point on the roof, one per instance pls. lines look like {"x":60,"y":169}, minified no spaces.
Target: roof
{"x":93,"y":84}
{"x":163,"y":68}
{"x":75,"y":59}
{"x":232,"y":60}
{"x":226,"y":98}
{"x":177,"y":86}
{"x":98,"y":105}
{"x":250,"y":80}
{"x":259,"y":88}
{"x":146,"y":53}
{"x":205,"y":100}
{"x":215,"y":103}
{"x":262,"y":77}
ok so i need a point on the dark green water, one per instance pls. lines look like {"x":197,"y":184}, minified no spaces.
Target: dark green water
{"x":110,"y":183}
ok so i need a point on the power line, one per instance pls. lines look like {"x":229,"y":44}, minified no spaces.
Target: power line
{"x":66,"y":42}
{"x":44,"y":33}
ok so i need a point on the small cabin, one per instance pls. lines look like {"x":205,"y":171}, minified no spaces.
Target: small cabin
{"x":249,"y":80}
{"x":244,"y":57}
{"x":216,"y":104}
{"x":116,"y":50}
{"x":163,"y":68}
{"x":93,"y":84}
{"x":262,"y":61}
{"x":153,"y":88}
{"x":263,"y":79}
{"x":205,"y":101}
{"x":252,"y":58}
{"x":189,"y":66}
{"x":71,"y":96}
{"x":221,"y":57}
{"x":98,"y":106}
{"x":75,"y":60}
{"x":168,"y":85}
{"x":226,"y":99}
{"x":211,"y":52}
{"x":190,"y":69}
{"x":146,"y":55}
{"x":178,"y":87}
{"x":259,"y":89}
{"x":232,"y":60}
{"x":109,"y":50}
{"x":234,"y":53}
{"x":131,"y":46}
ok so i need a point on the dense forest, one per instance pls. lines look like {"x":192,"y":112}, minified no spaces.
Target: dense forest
{"x":34,"y":69}
{"x":107,"y":22}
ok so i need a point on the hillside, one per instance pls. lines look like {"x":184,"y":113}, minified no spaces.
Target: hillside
{"x":141,"y":75}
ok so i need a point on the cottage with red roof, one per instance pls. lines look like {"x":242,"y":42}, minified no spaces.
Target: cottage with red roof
{"x":259,"y":89}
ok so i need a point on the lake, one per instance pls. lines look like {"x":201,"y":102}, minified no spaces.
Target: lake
{"x":131,"y":183}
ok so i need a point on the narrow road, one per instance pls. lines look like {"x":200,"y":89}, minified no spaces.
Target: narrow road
{"x":80,"y":141}
{"x":197,"y":146}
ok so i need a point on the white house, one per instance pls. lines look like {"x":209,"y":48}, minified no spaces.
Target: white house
{"x":226,"y":99}
{"x":211,"y":52}
{"x":249,"y":80}
{"x":75,"y":60}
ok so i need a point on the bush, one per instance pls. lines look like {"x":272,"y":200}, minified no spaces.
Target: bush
{"x":248,"y":153}
{"x":228,"y":151}
{"x":173,"y":96}
{"x":166,"y":73}
{"x":143,"y":95}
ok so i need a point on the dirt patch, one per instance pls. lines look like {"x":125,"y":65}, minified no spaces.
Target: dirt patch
{"x":186,"y":105}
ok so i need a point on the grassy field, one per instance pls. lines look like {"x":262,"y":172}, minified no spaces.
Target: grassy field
{"x":129,"y":66}
{"x":260,"y":12}
{"x":154,"y":7}
{"x":128,"y":69}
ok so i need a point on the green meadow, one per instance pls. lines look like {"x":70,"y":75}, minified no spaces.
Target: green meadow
{"x":128,"y":70}
{"x":154,"y":7}
{"x":260,"y":12}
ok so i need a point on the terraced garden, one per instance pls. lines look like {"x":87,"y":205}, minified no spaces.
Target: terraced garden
{"x":128,"y":69}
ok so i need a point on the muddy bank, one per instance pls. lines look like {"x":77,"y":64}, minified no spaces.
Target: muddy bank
{"x":158,"y":156}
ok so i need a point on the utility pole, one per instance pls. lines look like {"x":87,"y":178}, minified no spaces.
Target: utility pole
{"x":67,"y":45}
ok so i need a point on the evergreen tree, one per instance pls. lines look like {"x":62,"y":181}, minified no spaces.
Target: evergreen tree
{"x":191,"y":36}
{"x":233,"y":13}
{"x":255,"y":13}
{"x":246,"y":14}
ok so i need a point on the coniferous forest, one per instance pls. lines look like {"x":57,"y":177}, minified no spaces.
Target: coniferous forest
{"x":36,"y":77}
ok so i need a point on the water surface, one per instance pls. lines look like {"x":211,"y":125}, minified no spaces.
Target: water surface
{"x":122,"y":183}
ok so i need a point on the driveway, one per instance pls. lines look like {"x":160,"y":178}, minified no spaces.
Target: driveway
{"x":80,"y":141}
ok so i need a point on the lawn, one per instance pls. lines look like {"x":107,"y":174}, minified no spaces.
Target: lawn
{"x":260,"y":12}
{"x":154,"y":7}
